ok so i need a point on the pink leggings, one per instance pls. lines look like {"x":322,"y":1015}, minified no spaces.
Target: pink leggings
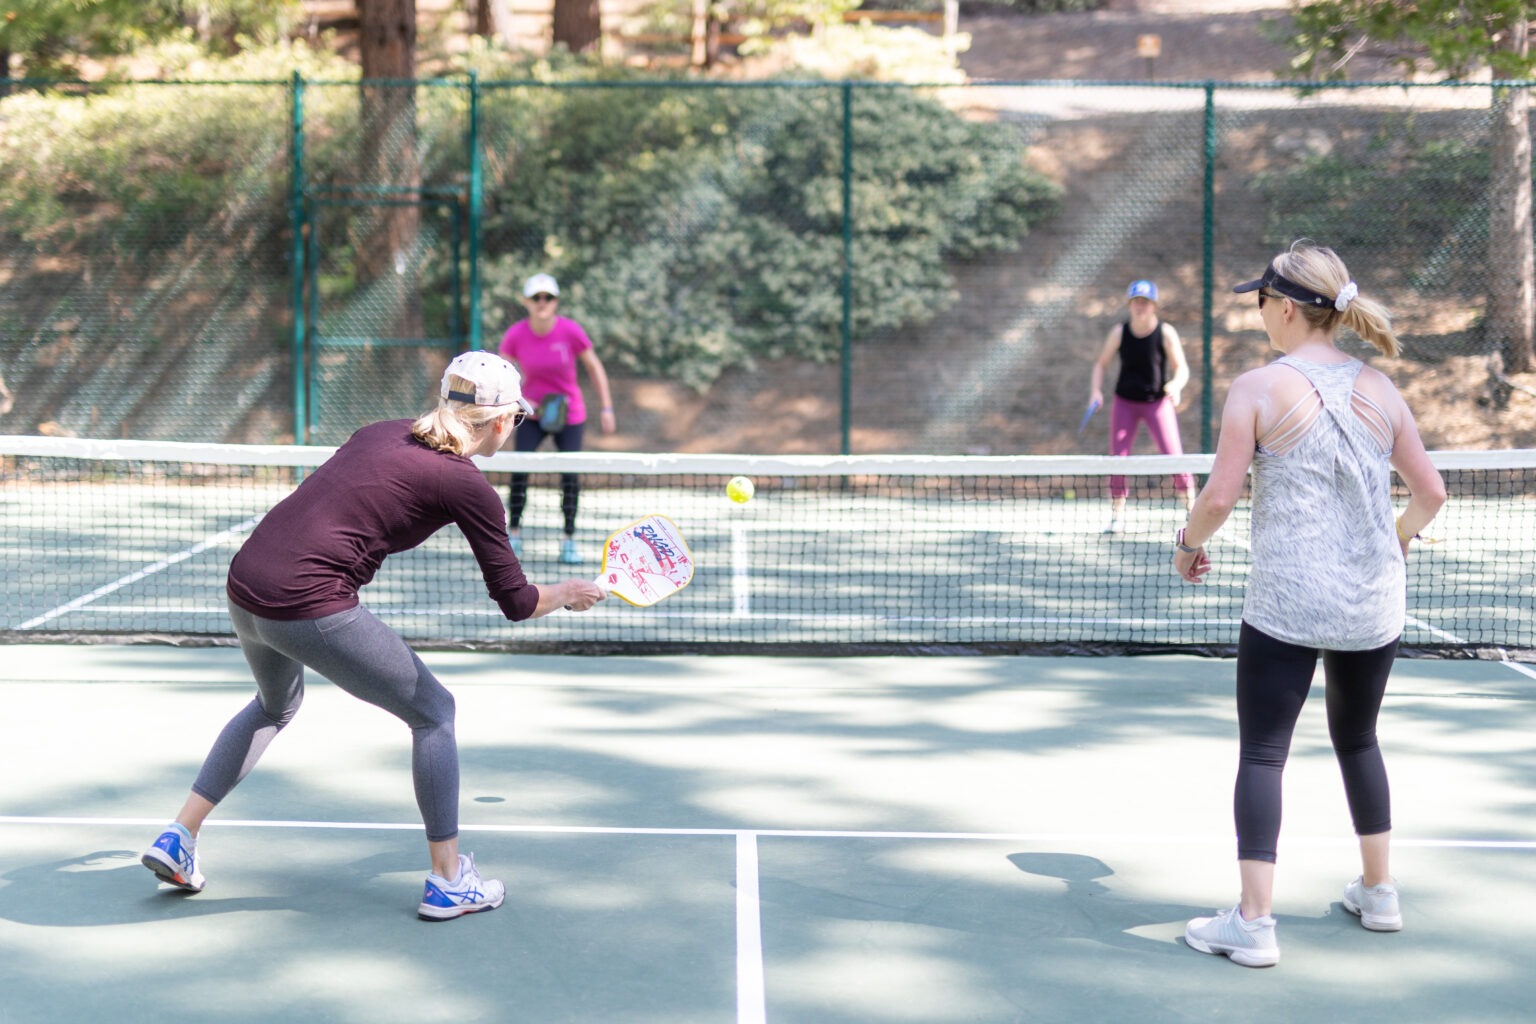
{"x":1162,"y":423}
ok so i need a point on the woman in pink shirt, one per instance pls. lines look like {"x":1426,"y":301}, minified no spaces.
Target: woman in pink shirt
{"x":546,"y":348}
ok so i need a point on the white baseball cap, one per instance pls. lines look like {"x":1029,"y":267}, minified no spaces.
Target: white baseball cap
{"x":540,"y":283}
{"x":496,"y":381}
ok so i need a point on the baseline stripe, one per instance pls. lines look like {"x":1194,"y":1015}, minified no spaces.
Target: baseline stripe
{"x":134,"y":577}
{"x":787,"y":833}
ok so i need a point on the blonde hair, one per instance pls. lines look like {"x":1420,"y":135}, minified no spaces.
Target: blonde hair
{"x":1320,"y":269}
{"x":452,"y":425}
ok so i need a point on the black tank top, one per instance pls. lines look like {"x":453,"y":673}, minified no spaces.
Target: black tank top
{"x":1142,"y":369}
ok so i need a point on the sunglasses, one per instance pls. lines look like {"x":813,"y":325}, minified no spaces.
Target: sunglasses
{"x":544,"y":297}
{"x":1263,"y":295}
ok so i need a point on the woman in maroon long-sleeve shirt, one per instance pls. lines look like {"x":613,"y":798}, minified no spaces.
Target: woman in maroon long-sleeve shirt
{"x":293,"y":599}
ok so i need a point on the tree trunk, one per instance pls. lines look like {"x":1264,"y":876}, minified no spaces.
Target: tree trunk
{"x":704,"y":36}
{"x":698,"y":35}
{"x":388,"y":264}
{"x":1511,"y":262}
{"x":493,"y":20}
{"x":578,"y":24}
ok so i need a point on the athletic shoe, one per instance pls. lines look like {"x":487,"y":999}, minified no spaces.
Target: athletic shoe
{"x":444,"y":900}
{"x":1250,"y":943}
{"x":1113,"y":527}
{"x":173,"y":859}
{"x":517,"y":547}
{"x":568,"y":553}
{"x":1375,"y":905}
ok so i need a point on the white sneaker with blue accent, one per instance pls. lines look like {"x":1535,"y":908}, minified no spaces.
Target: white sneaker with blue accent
{"x":444,"y":900}
{"x":568,"y":553}
{"x":1250,"y":943}
{"x":174,"y":861}
{"x":1375,"y":905}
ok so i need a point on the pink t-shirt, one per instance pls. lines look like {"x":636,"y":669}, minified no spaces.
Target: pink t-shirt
{"x":548,"y":362}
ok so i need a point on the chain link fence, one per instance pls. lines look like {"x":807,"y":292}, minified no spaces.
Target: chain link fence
{"x":765,"y":267}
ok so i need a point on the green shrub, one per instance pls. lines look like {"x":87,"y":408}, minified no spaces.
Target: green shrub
{"x":698,"y":226}
{"x":140,"y":167}
{"x":701,"y":228}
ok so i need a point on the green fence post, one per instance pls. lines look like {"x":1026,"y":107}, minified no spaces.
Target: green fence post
{"x":847,"y":282}
{"x":1208,"y":257}
{"x":296,"y":223}
{"x":476,"y":189}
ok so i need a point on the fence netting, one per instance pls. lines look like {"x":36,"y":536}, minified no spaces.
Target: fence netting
{"x":886,"y":268}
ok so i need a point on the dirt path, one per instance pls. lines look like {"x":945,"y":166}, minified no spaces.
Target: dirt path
{"x":1006,"y":370}
{"x":1217,"y":40}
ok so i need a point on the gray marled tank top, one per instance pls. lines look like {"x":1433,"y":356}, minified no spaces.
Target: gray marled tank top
{"x":1327,"y":569}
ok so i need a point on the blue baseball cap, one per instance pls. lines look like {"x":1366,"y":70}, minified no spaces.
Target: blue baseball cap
{"x":1142,"y":290}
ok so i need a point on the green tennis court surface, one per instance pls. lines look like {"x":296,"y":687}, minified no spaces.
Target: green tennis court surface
{"x":752,"y":840}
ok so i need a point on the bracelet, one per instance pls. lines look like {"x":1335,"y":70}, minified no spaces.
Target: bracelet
{"x":607,"y":408}
{"x":1178,"y":542}
{"x":1401,"y":535}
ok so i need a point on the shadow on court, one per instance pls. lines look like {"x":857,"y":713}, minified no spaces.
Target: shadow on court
{"x":936,"y":840}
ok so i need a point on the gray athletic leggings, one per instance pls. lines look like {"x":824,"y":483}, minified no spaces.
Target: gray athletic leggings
{"x":367,"y":659}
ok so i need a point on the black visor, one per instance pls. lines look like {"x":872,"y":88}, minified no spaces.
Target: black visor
{"x":1290,"y":289}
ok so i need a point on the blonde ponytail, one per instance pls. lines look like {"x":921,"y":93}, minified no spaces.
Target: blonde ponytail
{"x":1321,"y":270}
{"x":451,"y":426}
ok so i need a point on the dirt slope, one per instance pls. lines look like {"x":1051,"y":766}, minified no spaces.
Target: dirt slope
{"x":792,"y":407}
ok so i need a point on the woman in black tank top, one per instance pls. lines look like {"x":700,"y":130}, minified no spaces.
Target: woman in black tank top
{"x":1153,"y":373}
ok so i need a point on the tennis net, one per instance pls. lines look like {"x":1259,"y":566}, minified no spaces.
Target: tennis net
{"x":130,"y":541}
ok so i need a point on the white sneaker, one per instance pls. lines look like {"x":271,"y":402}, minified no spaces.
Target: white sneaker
{"x":444,"y":900}
{"x":1113,"y":527}
{"x":1375,"y":905}
{"x":1250,"y":943}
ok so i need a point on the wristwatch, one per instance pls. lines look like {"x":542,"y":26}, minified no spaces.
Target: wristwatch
{"x":1178,"y":542}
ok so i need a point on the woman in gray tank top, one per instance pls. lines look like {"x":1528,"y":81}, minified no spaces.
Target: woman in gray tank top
{"x":1322,"y":433}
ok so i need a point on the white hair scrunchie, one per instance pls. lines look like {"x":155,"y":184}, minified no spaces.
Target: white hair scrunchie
{"x":1346,"y":295}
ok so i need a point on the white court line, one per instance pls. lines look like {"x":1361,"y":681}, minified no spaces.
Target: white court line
{"x":1131,"y":838}
{"x":1524,"y":670}
{"x":751,"y":989}
{"x":1448,"y":637}
{"x":1504,"y":658}
{"x":134,"y":577}
{"x":1414,"y":620}
{"x":751,"y":986}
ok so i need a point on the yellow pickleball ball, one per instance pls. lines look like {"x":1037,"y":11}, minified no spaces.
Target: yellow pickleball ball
{"x":740,"y":490}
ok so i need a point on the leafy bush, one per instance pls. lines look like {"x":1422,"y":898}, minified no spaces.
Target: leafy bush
{"x":700,"y":228}
{"x":696,"y":225}
{"x":138,"y":167}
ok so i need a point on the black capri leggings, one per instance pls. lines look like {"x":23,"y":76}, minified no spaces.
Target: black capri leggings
{"x":529,"y":436}
{"x":1273,"y":678}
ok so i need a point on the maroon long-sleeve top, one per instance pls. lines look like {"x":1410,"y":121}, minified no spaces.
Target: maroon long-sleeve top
{"x":382,"y":492}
